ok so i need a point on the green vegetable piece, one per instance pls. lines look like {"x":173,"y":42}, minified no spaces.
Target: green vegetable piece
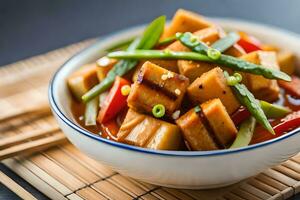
{"x":158,"y":54}
{"x":91,"y":112}
{"x":197,"y":109}
{"x":226,"y":42}
{"x":228,"y":61}
{"x":149,"y":38}
{"x":232,"y":80}
{"x":247,"y":99}
{"x":152,"y":33}
{"x":167,"y":40}
{"x":213,"y":53}
{"x":158,"y":110}
{"x":245,"y":133}
{"x":120,"y":45}
{"x":189,"y":40}
{"x":274,"y":111}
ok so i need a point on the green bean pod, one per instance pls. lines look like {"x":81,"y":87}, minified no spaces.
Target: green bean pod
{"x":245,"y":133}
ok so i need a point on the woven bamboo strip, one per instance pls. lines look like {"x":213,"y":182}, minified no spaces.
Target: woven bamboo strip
{"x":71,"y":165}
{"x":126,"y":185}
{"x":255,"y":191}
{"x":89,"y":193}
{"x":91,"y":164}
{"x":13,"y":186}
{"x":110,"y":191}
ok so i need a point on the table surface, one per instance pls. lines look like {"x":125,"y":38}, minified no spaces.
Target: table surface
{"x":34,"y":27}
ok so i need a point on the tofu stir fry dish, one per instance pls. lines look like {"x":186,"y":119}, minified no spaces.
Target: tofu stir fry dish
{"x":188,"y":86}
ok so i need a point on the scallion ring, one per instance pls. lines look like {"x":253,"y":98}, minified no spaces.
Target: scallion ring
{"x":213,"y":54}
{"x":158,"y":110}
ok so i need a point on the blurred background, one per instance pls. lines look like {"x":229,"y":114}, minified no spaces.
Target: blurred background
{"x":33,"y":27}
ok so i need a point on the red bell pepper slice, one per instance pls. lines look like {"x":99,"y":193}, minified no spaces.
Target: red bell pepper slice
{"x":240,"y":115}
{"x":293,"y":87}
{"x":280,"y":127}
{"x":114,"y":102}
{"x":249,"y":43}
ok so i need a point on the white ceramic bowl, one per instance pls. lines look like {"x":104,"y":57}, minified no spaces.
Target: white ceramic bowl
{"x":178,"y":169}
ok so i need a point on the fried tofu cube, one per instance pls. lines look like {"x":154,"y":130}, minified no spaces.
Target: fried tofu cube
{"x":145,"y":131}
{"x":186,"y":21}
{"x":210,"y":85}
{"x":220,"y":121}
{"x":287,"y":62}
{"x":262,"y":88}
{"x":104,"y":64}
{"x":195,"y":132}
{"x":156,"y":85}
{"x":82,"y":80}
{"x":209,"y":128}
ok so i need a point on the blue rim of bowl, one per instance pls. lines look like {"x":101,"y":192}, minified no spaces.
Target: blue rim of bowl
{"x":98,"y":138}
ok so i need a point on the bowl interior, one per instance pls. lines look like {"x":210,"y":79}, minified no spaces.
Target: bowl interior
{"x":60,"y":93}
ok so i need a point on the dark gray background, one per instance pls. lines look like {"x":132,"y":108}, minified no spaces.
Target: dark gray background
{"x":32,"y":27}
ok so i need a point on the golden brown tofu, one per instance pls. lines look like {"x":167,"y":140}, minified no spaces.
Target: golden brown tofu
{"x":220,"y":121}
{"x":145,"y":131}
{"x":209,"y":128}
{"x":287,"y":62}
{"x":104,"y":65}
{"x":210,"y":85}
{"x":82,"y":80}
{"x":170,"y":65}
{"x":156,"y":85}
{"x":262,"y":88}
{"x":186,"y":21}
{"x":192,"y":69}
{"x":195,"y":132}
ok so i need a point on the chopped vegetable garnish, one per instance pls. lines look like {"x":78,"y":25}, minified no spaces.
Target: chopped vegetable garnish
{"x":125,"y":90}
{"x":247,"y":99}
{"x":158,"y":110}
{"x":245,"y":134}
{"x":213,"y":53}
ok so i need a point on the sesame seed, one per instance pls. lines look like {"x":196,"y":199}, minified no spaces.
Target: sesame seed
{"x":81,"y":118}
{"x":164,"y":77}
{"x":176,"y":114}
{"x":177,"y":91}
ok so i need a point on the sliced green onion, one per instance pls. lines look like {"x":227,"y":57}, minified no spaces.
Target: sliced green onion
{"x":158,"y":110}
{"x":232,"y":80}
{"x":213,"y":53}
{"x":125,"y":90}
{"x":238,"y":76}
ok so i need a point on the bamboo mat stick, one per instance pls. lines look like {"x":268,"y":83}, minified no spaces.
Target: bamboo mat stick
{"x":35,"y":110}
{"x":33,"y":146}
{"x":20,"y":138}
{"x":16,"y":188}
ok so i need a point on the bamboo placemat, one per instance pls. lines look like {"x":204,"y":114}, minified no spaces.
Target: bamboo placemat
{"x":63,"y":172}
